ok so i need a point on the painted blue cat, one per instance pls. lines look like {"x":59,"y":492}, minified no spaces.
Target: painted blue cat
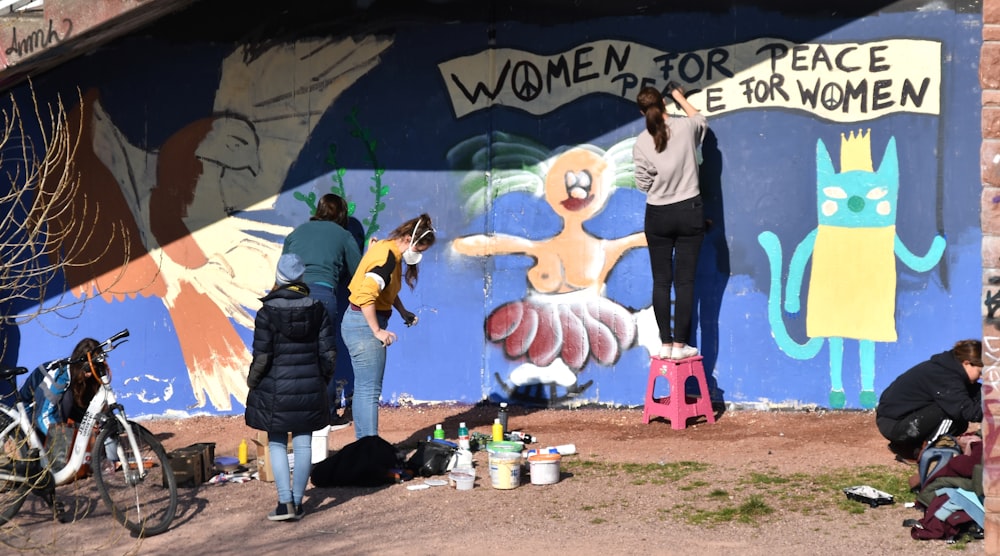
{"x":852,"y":284}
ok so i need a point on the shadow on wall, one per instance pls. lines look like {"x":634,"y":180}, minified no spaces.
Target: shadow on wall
{"x":713,"y":265}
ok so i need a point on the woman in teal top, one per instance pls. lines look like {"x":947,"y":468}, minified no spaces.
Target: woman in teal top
{"x":330,"y":254}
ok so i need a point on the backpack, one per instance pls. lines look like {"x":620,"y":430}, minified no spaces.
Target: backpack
{"x":944,"y":519}
{"x":935,"y":456}
{"x":433,"y":457}
{"x":368,"y":461}
{"x":44,"y":390}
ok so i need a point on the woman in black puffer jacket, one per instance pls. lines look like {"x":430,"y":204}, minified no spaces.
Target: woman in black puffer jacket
{"x":294,"y":353}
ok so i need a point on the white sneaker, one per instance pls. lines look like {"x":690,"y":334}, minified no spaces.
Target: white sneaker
{"x":666,"y":352}
{"x":684,"y":352}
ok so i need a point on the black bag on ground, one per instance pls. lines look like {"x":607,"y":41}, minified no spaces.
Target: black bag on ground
{"x":431,"y":458}
{"x":368,"y":461}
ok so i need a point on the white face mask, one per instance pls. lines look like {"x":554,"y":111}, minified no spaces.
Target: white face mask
{"x":410,"y":256}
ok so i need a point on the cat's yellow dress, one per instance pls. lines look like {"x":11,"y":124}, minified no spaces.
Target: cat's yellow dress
{"x":852,"y":286}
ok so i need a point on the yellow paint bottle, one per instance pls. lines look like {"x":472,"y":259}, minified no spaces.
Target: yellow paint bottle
{"x":497,"y":430}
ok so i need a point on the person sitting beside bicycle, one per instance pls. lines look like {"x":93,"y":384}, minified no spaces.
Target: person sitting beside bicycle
{"x":70,"y":387}
{"x":84,"y":380}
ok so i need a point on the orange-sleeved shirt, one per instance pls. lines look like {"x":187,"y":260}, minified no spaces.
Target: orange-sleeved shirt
{"x":379,"y":276}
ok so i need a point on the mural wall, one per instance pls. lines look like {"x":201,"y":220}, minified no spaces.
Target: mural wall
{"x":839,"y":176}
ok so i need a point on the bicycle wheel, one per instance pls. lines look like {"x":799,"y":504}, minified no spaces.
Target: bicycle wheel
{"x":144,"y":505}
{"x":12,"y":493}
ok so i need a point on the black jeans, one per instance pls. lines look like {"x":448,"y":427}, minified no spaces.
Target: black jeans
{"x":674,"y":234}
{"x":907,"y":435}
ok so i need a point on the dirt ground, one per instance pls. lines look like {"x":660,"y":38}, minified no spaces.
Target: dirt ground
{"x":599,"y":505}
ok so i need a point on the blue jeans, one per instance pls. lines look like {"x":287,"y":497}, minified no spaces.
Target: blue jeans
{"x":368,"y":360}
{"x":290,"y":489}
{"x":328,"y":297}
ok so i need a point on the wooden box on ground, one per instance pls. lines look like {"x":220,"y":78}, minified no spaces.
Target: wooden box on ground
{"x":189,"y":471}
{"x":263,"y":458}
{"x":264,"y":472}
{"x":207,"y":451}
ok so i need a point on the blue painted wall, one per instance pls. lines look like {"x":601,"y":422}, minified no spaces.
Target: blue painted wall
{"x":759,"y":175}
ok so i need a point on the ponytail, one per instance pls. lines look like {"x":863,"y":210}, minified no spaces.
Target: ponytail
{"x":650,"y":102}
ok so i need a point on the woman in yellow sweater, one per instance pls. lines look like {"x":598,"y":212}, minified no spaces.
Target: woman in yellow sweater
{"x":374,"y":292}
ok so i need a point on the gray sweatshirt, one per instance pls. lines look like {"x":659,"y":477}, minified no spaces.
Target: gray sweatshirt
{"x":672,"y":175}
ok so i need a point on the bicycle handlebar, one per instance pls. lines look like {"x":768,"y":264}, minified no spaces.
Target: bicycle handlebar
{"x":104,"y":347}
{"x":111,"y":341}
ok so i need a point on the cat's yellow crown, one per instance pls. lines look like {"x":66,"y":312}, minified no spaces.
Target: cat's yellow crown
{"x":856,"y":151}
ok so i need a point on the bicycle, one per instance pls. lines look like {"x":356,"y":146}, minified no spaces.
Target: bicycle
{"x":130,"y":466}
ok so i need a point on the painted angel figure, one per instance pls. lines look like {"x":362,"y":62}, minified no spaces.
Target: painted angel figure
{"x":565,"y":320}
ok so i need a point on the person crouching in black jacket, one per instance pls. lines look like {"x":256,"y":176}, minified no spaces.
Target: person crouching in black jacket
{"x":939,"y":396}
{"x":294,"y":354}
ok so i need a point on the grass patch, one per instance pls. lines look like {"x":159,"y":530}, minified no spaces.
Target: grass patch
{"x":749,"y":497}
{"x":694,"y":484}
{"x":639,"y":473}
{"x":804,"y":493}
{"x":750,"y":511}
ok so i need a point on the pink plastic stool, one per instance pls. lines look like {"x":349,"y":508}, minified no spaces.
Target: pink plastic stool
{"x":678,"y":407}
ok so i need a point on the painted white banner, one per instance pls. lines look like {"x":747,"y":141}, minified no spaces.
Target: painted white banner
{"x":842,"y":82}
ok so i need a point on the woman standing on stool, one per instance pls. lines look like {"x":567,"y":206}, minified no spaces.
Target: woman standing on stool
{"x":666,"y":169}
{"x":374,"y":292}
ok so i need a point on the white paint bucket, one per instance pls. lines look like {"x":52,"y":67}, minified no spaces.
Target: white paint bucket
{"x":505,"y":470}
{"x":464,"y":478}
{"x":544,"y":468}
{"x":320,"y":444}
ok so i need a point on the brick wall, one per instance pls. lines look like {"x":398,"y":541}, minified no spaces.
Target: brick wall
{"x":989,"y":77}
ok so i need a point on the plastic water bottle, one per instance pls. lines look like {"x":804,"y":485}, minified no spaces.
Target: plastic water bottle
{"x":439,"y":432}
{"x":502,"y":415}
{"x":497,"y":430}
{"x":566,"y":449}
{"x":111,"y":448}
{"x":463,"y":437}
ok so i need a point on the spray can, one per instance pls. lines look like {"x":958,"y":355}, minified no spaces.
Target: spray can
{"x":497,"y":430}
{"x":502,"y":415}
{"x":464,"y":441}
{"x":519,"y":436}
{"x":439,"y":432}
{"x":243,"y":452}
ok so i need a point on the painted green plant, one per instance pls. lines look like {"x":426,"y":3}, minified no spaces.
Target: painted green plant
{"x":379,"y":190}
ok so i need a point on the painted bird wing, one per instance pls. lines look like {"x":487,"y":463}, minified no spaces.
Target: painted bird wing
{"x":264,"y":116}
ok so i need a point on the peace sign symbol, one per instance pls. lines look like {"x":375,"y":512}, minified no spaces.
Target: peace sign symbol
{"x":526,"y":81}
{"x":832,"y":96}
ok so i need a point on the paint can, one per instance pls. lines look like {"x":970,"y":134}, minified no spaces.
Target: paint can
{"x":463,"y":477}
{"x":505,"y":446}
{"x":320,"y":444}
{"x":505,"y":470}
{"x":544,"y":468}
